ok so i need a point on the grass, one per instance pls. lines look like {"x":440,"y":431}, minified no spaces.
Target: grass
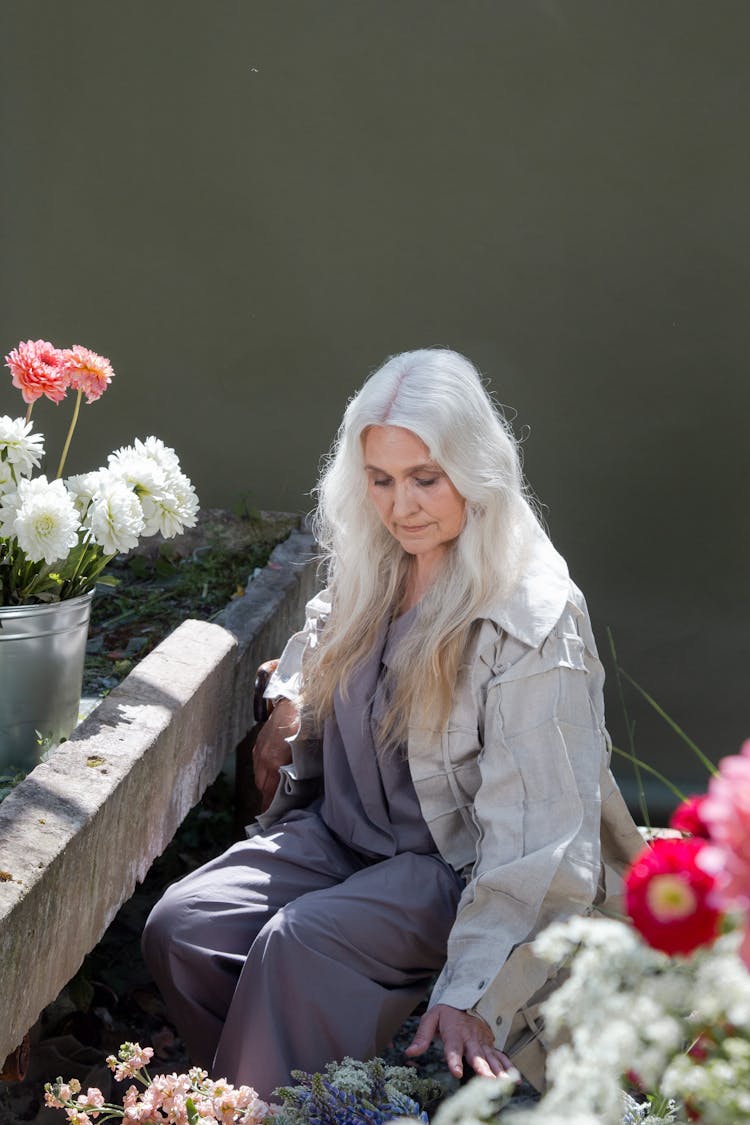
{"x":153,"y":592}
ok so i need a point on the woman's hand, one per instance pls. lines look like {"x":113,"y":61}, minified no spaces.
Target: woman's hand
{"x":271,"y":750}
{"x":465,"y":1036}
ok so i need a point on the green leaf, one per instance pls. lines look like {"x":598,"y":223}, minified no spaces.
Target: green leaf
{"x":108,"y":580}
{"x":165,"y":568}
{"x":139,"y":566}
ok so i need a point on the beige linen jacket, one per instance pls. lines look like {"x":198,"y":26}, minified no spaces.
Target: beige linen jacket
{"x":517,"y":793}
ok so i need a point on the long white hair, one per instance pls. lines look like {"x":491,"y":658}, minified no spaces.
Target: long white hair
{"x":438,"y":395}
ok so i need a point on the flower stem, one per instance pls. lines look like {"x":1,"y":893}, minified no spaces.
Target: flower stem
{"x":68,"y":439}
{"x":650,"y":769}
{"x":629,"y":729}
{"x":703,"y":758}
{"x":28,"y":411}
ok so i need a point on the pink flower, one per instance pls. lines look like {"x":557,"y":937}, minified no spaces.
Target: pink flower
{"x":668,"y":896}
{"x":688,"y":817}
{"x":727,"y":814}
{"x":94,"y":1098}
{"x":131,"y":1096}
{"x":86,"y":371}
{"x":132,"y":1059}
{"x":37,"y":369}
{"x":176,"y":1098}
{"x":77,"y":1117}
{"x":726,"y":811}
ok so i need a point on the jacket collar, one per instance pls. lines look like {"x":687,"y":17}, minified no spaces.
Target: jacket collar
{"x":537,"y":600}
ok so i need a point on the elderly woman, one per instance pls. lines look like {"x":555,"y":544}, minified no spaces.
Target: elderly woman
{"x":444,"y":790}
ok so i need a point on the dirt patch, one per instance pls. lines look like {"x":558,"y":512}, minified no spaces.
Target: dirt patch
{"x":163,"y":582}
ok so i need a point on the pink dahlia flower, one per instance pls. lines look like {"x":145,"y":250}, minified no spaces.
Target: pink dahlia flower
{"x":727,"y":813}
{"x":37,"y":369}
{"x":86,"y":371}
{"x":688,"y":817}
{"x":669,"y":897}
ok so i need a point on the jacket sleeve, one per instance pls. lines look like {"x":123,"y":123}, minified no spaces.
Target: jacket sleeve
{"x":286,"y":681}
{"x":537,"y":814}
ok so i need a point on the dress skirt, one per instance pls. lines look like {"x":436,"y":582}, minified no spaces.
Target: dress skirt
{"x":293,"y":949}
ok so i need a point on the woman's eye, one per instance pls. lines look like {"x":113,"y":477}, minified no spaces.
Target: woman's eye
{"x":381,"y":483}
{"x":426,"y":483}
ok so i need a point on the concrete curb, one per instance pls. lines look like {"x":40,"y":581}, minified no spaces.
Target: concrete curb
{"x":83,"y":828}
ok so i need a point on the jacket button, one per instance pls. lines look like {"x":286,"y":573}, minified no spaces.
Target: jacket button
{"x":482,"y":983}
{"x":499,"y":1020}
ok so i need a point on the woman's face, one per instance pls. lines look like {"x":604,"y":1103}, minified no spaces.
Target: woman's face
{"x":414,"y":498}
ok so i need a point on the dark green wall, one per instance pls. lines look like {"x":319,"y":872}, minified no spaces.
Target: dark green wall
{"x":248,"y":205}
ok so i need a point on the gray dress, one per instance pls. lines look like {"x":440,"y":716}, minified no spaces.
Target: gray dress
{"x":317,"y":938}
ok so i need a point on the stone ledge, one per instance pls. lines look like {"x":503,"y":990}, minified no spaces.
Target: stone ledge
{"x":270,"y":611}
{"x":83,"y":828}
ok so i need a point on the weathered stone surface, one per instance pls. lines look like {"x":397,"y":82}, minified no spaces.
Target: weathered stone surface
{"x":82,"y":829}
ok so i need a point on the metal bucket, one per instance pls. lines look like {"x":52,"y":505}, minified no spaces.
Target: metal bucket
{"x":42,"y":650}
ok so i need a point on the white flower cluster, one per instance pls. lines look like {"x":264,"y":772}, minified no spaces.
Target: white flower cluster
{"x":639,"y":1113}
{"x":166,"y":495}
{"x":716,"y":1076}
{"x":140,"y":492}
{"x":353,"y":1076}
{"x":628,"y":1008}
{"x":478,"y":1102}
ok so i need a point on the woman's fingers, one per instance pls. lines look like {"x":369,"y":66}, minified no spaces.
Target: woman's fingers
{"x":454,"y":1058}
{"x":488,"y":1062}
{"x":425,"y":1033}
{"x":465,"y":1036}
{"x":461,"y":1042}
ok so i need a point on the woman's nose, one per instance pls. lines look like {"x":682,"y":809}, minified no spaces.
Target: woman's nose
{"x":403,"y":500}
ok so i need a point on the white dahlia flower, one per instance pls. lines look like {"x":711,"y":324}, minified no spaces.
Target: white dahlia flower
{"x":82,"y":488}
{"x":180,"y":508}
{"x":167,"y":496}
{"x":114,"y":516}
{"x":43,"y":518}
{"x":19,"y":446}
{"x":7,"y":479}
{"x":139,"y":472}
{"x":162,"y":454}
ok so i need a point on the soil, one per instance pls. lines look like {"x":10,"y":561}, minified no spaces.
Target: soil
{"x":161,"y":583}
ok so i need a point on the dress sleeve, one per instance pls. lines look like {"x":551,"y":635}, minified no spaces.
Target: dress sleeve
{"x":537,"y":814}
{"x":286,"y":680}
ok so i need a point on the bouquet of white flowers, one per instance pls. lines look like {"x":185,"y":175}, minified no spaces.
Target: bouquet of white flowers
{"x":57,"y":536}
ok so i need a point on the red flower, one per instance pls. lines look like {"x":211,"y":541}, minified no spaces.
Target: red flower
{"x":633,"y":1078}
{"x":701,"y":1047}
{"x":668,"y":897}
{"x":688,"y":817}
